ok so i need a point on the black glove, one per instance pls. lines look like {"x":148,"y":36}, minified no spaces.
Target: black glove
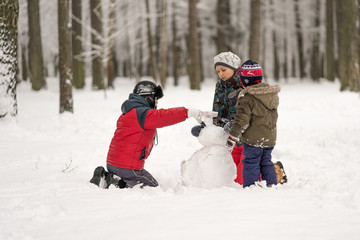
{"x":195,"y":131}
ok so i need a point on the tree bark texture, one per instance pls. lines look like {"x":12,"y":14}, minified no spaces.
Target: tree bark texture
{"x":97,"y":68}
{"x":36,"y":62}
{"x":223,"y":26}
{"x":315,"y":66}
{"x":111,"y":70}
{"x":175,"y":47}
{"x":255,"y":29}
{"x":299,"y":38}
{"x":9,"y":12}
{"x":77,"y":62}
{"x":150,"y":43}
{"x":163,"y":51}
{"x":194,"y":75}
{"x":348,"y":61}
{"x":65,"y":66}
{"x":330,"y":45}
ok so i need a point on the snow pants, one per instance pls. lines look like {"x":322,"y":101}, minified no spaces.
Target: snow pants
{"x":237,"y":155}
{"x":258,"y":161}
{"x":133,"y":177}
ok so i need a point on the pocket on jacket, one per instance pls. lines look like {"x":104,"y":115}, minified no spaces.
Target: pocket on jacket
{"x":142,"y":155}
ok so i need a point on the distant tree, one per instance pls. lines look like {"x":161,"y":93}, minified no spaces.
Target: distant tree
{"x":193,"y":47}
{"x":65,"y":66}
{"x":255,"y":30}
{"x":111,"y":64}
{"x":150,"y":43}
{"x":97,"y":45}
{"x":223,"y":26}
{"x":330,"y":46}
{"x":175,"y":46}
{"x":77,"y":61}
{"x":315,"y":66}
{"x":348,"y":61}
{"x":299,"y":38}
{"x":36,"y":62}
{"x":9,"y":12}
{"x":275,"y":42}
{"x":163,"y":45}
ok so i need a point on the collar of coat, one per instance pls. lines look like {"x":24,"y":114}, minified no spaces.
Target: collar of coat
{"x":260,"y":88}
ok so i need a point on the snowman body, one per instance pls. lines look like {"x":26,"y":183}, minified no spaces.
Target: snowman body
{"x":212,"y":165}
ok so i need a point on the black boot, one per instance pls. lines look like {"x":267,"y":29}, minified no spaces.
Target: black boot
{"x":115,"y":180}
{"x":99,"y":177}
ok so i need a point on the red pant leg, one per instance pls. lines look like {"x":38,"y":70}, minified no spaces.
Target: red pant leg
{"x":238,"y":156}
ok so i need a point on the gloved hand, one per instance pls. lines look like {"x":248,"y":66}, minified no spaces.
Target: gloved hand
{"x":195,"y":131}
{"x":231,"y":142}
{"x":199,"y":115}
{"x":228,"y":126}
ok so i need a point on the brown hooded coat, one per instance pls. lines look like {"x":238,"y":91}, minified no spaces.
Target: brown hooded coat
{"x":256,"y":115}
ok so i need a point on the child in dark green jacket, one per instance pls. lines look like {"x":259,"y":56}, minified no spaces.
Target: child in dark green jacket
{"x":255,"y":124}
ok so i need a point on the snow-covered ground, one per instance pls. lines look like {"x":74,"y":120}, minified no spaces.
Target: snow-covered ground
{"x":47,"y":160}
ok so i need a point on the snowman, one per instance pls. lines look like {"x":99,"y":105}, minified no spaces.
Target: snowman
{"x":212,"y":165}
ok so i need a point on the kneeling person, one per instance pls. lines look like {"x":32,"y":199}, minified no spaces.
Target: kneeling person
{"x":134,"y":137}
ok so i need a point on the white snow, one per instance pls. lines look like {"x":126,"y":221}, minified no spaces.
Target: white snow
{"x":47,"y":161}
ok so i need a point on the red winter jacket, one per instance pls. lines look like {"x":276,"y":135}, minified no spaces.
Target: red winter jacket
{"x":136,"y":129}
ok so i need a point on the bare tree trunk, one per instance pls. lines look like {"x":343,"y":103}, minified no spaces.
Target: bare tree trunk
{"x":276,"y":58}
{"x":111,"y":58}
{"x":24,"y":65}
{"x":194,"y":75}
{"x":77,"y":62}
{"x":347,"y":45}
{"x":36,"y":62}
{"x":150,"y":43}
{"x":315,"y":67}
{"x":299,"y":37}
{"x":9,"y":12}
{"x":255,"y":28}
{"x":175,"y":47}
{"x":96,"y":25}
{"x":64,"y":30}
{"x":223,"y":27}
{"x":163,"y":50}
{"x":330,"y":46}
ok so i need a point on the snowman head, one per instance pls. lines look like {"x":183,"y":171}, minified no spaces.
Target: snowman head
{"x":212,"y":135}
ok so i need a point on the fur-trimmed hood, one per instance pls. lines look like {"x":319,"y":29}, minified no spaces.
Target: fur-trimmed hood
{"x":264,"y":93}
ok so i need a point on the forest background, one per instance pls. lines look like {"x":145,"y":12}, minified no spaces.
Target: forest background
{"x":166,"y":39}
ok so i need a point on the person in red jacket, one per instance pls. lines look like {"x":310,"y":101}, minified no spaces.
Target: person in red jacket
{"x":134,"y":137}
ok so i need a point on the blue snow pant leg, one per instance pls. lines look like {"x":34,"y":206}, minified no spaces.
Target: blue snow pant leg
{"x":267,"y":167}
{"x":258,"y":161}
{"x":251,"y":163}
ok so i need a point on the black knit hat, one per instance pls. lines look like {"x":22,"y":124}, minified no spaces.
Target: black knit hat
{"x":149,"y":91}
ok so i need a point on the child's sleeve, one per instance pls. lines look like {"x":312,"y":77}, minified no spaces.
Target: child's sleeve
{"x":242,"y":117}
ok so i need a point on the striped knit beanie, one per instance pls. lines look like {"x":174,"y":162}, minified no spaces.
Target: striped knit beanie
{"x":250,"y":73}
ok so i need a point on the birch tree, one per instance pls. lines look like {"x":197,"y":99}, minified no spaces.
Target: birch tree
{"x":9,"y":12}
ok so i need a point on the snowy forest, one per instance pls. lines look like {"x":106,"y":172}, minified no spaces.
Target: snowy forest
{"x":167,"y":39}
{"x":67,"y":66}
